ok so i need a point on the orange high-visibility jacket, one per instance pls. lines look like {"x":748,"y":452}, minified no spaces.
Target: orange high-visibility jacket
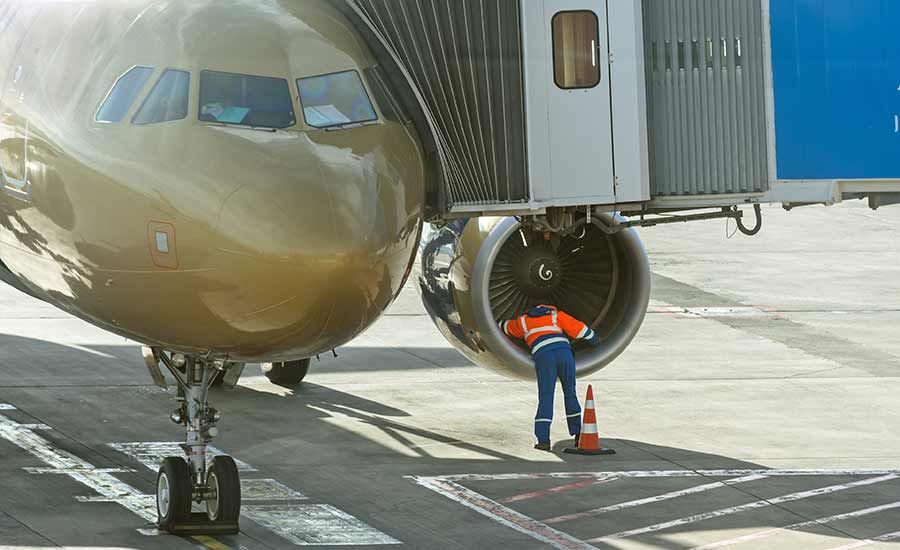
{"x":550,"y":330}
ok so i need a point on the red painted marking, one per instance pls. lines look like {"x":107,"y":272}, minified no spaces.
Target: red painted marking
{"x":503,"y":515}
{"x":553,"y":490}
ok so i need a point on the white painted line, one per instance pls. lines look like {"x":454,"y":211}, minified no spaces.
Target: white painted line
{"x":802,"y":525}
{"x":6,"y":407}
{"x":868,"y":542}
{"x":150,"y":500}
{"x":449,"y":487}
{"x":503,"y":515}
{"x":739,"y":311}
{"x":105,"y":484}
{"x":67,"y":471}
{"x":670,"y":473}
{"x":744,"y":507}
{"x":654,"y":499}
{"x":712,"y":311}
{"x":152,"y":453}
{"x":665,"y":309}
{"x":94,"y":498}
{"x":313,"y":523}
{"x":316,"y":524}
{"x":255,"y":490}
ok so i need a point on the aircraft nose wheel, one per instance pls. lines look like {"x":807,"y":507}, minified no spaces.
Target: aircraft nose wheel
{"x":173,"y":493}
{"x":223,"y":504}
{"x":181,"y":482}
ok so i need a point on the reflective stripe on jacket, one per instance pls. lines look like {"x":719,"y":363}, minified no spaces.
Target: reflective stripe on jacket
{"x":554,"y":327}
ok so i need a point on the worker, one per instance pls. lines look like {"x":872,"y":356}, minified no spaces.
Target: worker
{"x":547,"y":331}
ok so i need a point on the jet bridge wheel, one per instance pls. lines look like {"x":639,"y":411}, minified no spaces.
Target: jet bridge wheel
{"x":223,"y":505}
{"x":288,"y":373}
{"x":173,"y":493}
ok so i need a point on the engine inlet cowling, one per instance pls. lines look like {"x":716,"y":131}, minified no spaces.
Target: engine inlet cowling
{"x":475,"y":273}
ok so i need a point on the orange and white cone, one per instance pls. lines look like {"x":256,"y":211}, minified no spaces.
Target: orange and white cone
{"x":589,"y":440}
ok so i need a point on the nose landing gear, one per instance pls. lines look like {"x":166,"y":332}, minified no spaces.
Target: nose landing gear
{"x":182,"y":482}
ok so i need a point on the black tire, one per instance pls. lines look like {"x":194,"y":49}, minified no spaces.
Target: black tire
{"x":289,"y":373}
{"x":225,"y":482}
{"x":173,"y":493}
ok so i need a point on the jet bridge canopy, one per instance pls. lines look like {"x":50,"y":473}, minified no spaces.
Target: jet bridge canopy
{"x":518,"y":97}
{"x":465,"y":60}
{"x":526,"y":105}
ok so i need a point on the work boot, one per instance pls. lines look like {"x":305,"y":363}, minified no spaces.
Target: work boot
{"x":543,"y":446}
{"x":577,"y":437}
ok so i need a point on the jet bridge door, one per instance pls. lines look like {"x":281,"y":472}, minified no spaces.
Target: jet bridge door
{"x":570,"y":124}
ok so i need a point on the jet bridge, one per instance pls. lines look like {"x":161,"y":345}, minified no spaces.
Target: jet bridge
{"x":527,"y":105}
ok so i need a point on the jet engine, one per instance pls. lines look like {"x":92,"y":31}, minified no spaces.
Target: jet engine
{"x":476,"y":272}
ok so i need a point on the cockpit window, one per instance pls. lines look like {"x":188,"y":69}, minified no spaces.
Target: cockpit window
{"x":168,"y":100}
{"x":123,"y":94}
{"x":257,"y":101}
{"x":335,"y":100}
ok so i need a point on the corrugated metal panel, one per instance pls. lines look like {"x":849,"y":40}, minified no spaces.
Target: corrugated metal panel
{"x":706,"y":96}
{"x":465,"y":57}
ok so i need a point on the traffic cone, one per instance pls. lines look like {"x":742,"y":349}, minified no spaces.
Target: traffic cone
{"x":589,"y":441}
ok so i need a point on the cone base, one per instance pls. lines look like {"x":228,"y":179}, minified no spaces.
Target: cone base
{"x":577,"y":451}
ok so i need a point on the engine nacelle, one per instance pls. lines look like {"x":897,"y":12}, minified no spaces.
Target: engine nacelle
{"x":476,"y":272}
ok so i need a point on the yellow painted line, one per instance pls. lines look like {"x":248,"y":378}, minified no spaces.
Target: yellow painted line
{"x":210,"y":542}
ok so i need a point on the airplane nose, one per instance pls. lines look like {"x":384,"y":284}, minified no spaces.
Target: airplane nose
{"x":311,"y":258}
{"x":315,"y":228}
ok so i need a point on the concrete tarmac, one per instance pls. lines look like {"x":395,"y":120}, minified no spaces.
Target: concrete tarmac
{"x":756,"y":409}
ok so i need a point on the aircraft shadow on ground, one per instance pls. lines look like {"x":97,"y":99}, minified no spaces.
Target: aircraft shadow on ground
{"x":306,"y":421}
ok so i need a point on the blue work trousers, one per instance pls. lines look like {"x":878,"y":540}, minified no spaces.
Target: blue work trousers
{"x":553,"y":365}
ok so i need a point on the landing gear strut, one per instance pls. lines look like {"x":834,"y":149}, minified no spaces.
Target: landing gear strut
{"x":182,"y":482}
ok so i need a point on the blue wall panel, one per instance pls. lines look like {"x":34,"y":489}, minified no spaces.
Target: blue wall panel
{"x":836,"y":67}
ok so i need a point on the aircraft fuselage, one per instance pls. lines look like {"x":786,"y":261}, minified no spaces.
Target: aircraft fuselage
{"x":232,"y":229}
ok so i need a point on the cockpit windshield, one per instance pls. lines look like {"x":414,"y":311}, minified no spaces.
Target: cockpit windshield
{"x":335,"y":99}
{"x":257,"y":101}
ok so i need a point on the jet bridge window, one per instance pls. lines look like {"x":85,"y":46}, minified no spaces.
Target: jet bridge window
{"x":168,"y":100}
{"x":257,"y":101}
{"x":336,"y":99}
{"x":123,"y":94}
{"x":576,"y":41}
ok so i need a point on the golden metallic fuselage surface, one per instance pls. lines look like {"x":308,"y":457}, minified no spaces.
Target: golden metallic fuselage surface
{"x":276,"y":244}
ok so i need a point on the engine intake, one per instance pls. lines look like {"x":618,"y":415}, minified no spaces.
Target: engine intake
{"x":474,"y":273}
